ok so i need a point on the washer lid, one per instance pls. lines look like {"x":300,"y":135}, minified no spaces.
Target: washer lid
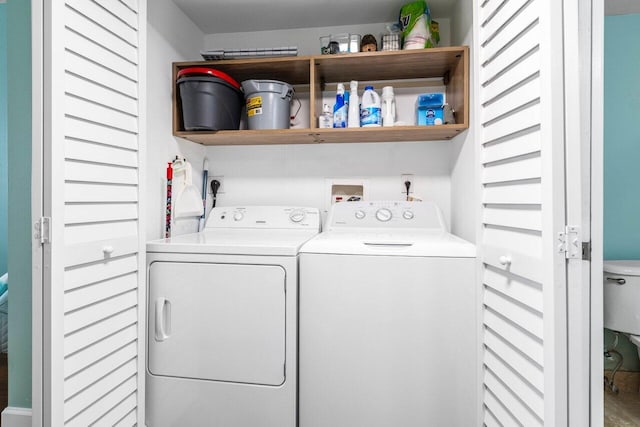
{"x":415,"y":243}
{"x":235,"y":242}
{"x":626,"y":267}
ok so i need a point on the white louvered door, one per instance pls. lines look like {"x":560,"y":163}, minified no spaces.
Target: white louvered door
{"x":93,"y":54}
{"x":521,"y":136}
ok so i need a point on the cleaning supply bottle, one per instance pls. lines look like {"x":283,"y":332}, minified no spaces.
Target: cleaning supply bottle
{"x":326,"y":118}
{"x":346,"y":107}
{"x":388,"y":106}
{"x":340,"y":109}
{"x":354,"y":106}
{"x":370,"y":114}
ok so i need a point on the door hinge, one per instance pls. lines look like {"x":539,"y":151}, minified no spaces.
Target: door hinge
{"x":43,"y":230}
{"x":586,"y":251}
{"x":570,"y":243}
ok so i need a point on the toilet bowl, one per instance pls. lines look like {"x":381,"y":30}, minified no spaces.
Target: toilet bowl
{"x":622,"y":298}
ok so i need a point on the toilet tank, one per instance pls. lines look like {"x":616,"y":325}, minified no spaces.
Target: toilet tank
{"x":622,"y":296}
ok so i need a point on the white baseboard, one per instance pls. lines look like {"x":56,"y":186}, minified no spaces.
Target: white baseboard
{"x":16,"y":417}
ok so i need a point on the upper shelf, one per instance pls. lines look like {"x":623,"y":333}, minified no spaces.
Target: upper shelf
{"x":451,"y":64}
{"x":394,"y":65}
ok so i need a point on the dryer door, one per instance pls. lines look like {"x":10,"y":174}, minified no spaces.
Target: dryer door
{"x":223,"y":322}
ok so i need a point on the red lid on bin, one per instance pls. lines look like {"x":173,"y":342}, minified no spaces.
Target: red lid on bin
{"x":211,"y":72}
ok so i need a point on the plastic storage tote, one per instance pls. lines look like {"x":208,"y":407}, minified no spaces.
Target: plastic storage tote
{"x":211,"y":99}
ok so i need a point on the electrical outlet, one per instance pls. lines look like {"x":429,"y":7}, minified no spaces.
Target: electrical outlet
{"x":404,"y":178}
{"x":220,"y":179}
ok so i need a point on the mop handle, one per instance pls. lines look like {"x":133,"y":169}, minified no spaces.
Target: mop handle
{"x":167,"y":229}
{"x":205,"y":177}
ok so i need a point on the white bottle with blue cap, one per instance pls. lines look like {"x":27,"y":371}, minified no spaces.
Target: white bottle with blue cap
{"x":370,"y":111}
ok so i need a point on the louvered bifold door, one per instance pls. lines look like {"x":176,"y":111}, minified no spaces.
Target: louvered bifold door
{"x":520,"y":137}
{"x":92,"y":113}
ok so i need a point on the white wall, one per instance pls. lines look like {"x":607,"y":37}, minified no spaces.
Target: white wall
{"x":171,"y":37}
{"x":298,"y":174}
{"x":463,"y":183}
{"x":291,"y":174}
{"x":306,"y":39}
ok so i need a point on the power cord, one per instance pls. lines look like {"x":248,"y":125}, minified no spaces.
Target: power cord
{"x":407,"y":185}
{"x":215,"y":185}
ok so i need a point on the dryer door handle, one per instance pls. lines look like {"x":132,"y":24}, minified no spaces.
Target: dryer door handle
{"x":163,"y":318}
{"x":389,"y":244}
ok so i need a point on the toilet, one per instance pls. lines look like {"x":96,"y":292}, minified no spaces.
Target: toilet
{"x":622,"y":298}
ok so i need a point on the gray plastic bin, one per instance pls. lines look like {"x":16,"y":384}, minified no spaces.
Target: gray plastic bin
{"x":211,"y":100}
{"x":268,"y":103}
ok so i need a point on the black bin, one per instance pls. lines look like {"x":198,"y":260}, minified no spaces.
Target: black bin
{"x":211,"y":99}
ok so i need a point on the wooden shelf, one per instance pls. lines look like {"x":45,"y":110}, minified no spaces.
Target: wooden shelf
{"x":451,"y":64}
{"x":319,"y":136}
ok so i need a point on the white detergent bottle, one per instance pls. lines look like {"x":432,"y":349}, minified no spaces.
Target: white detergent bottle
{"x":354,"y":106}
{"x":388,"y":106}
{"x":370,"y":112}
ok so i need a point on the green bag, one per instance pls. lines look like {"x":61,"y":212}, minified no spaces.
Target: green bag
{"x":415,"y":21}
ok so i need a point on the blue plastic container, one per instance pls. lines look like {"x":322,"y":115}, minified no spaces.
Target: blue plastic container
{"x":429,"y":109}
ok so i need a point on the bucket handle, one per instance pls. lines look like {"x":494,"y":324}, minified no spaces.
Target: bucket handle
{"x":295,"y":97}
{"x":287,"y":92}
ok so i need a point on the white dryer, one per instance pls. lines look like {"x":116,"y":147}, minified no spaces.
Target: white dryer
{"x":222,"y":320}
{"x":388,"y":321}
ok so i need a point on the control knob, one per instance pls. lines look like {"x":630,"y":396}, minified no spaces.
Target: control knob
{"x":407,"y":215}
{"x":360,"y":214}
{"x":297,"y":215}
{"x":237,"y":216}
{"x":383,"y":214}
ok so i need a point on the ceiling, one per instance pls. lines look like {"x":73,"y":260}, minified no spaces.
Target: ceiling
{"x":231,"y":16}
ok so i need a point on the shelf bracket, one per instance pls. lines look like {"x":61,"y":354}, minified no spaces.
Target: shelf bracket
{"x":316,"y":138}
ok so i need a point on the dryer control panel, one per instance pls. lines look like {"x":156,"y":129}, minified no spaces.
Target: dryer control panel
{"x":264,"y":217}
{"x":385,"y":214}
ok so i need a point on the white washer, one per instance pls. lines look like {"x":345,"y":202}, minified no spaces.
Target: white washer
{"x":387,"y":320}
{"x":222,"y":320}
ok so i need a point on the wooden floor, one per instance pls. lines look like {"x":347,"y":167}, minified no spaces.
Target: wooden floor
{"x":622,"y":409}
{"x":3,"y":382}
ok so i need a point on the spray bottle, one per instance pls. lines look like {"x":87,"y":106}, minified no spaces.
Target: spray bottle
{"x":354,"y":106}
{"x":340,"y":109}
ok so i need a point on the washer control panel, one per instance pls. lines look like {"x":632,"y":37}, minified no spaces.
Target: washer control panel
{"x":385,"y":214}
{"x":268,"y":217}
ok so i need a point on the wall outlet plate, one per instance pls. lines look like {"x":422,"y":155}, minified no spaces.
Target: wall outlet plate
{"x":220,"y":179}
